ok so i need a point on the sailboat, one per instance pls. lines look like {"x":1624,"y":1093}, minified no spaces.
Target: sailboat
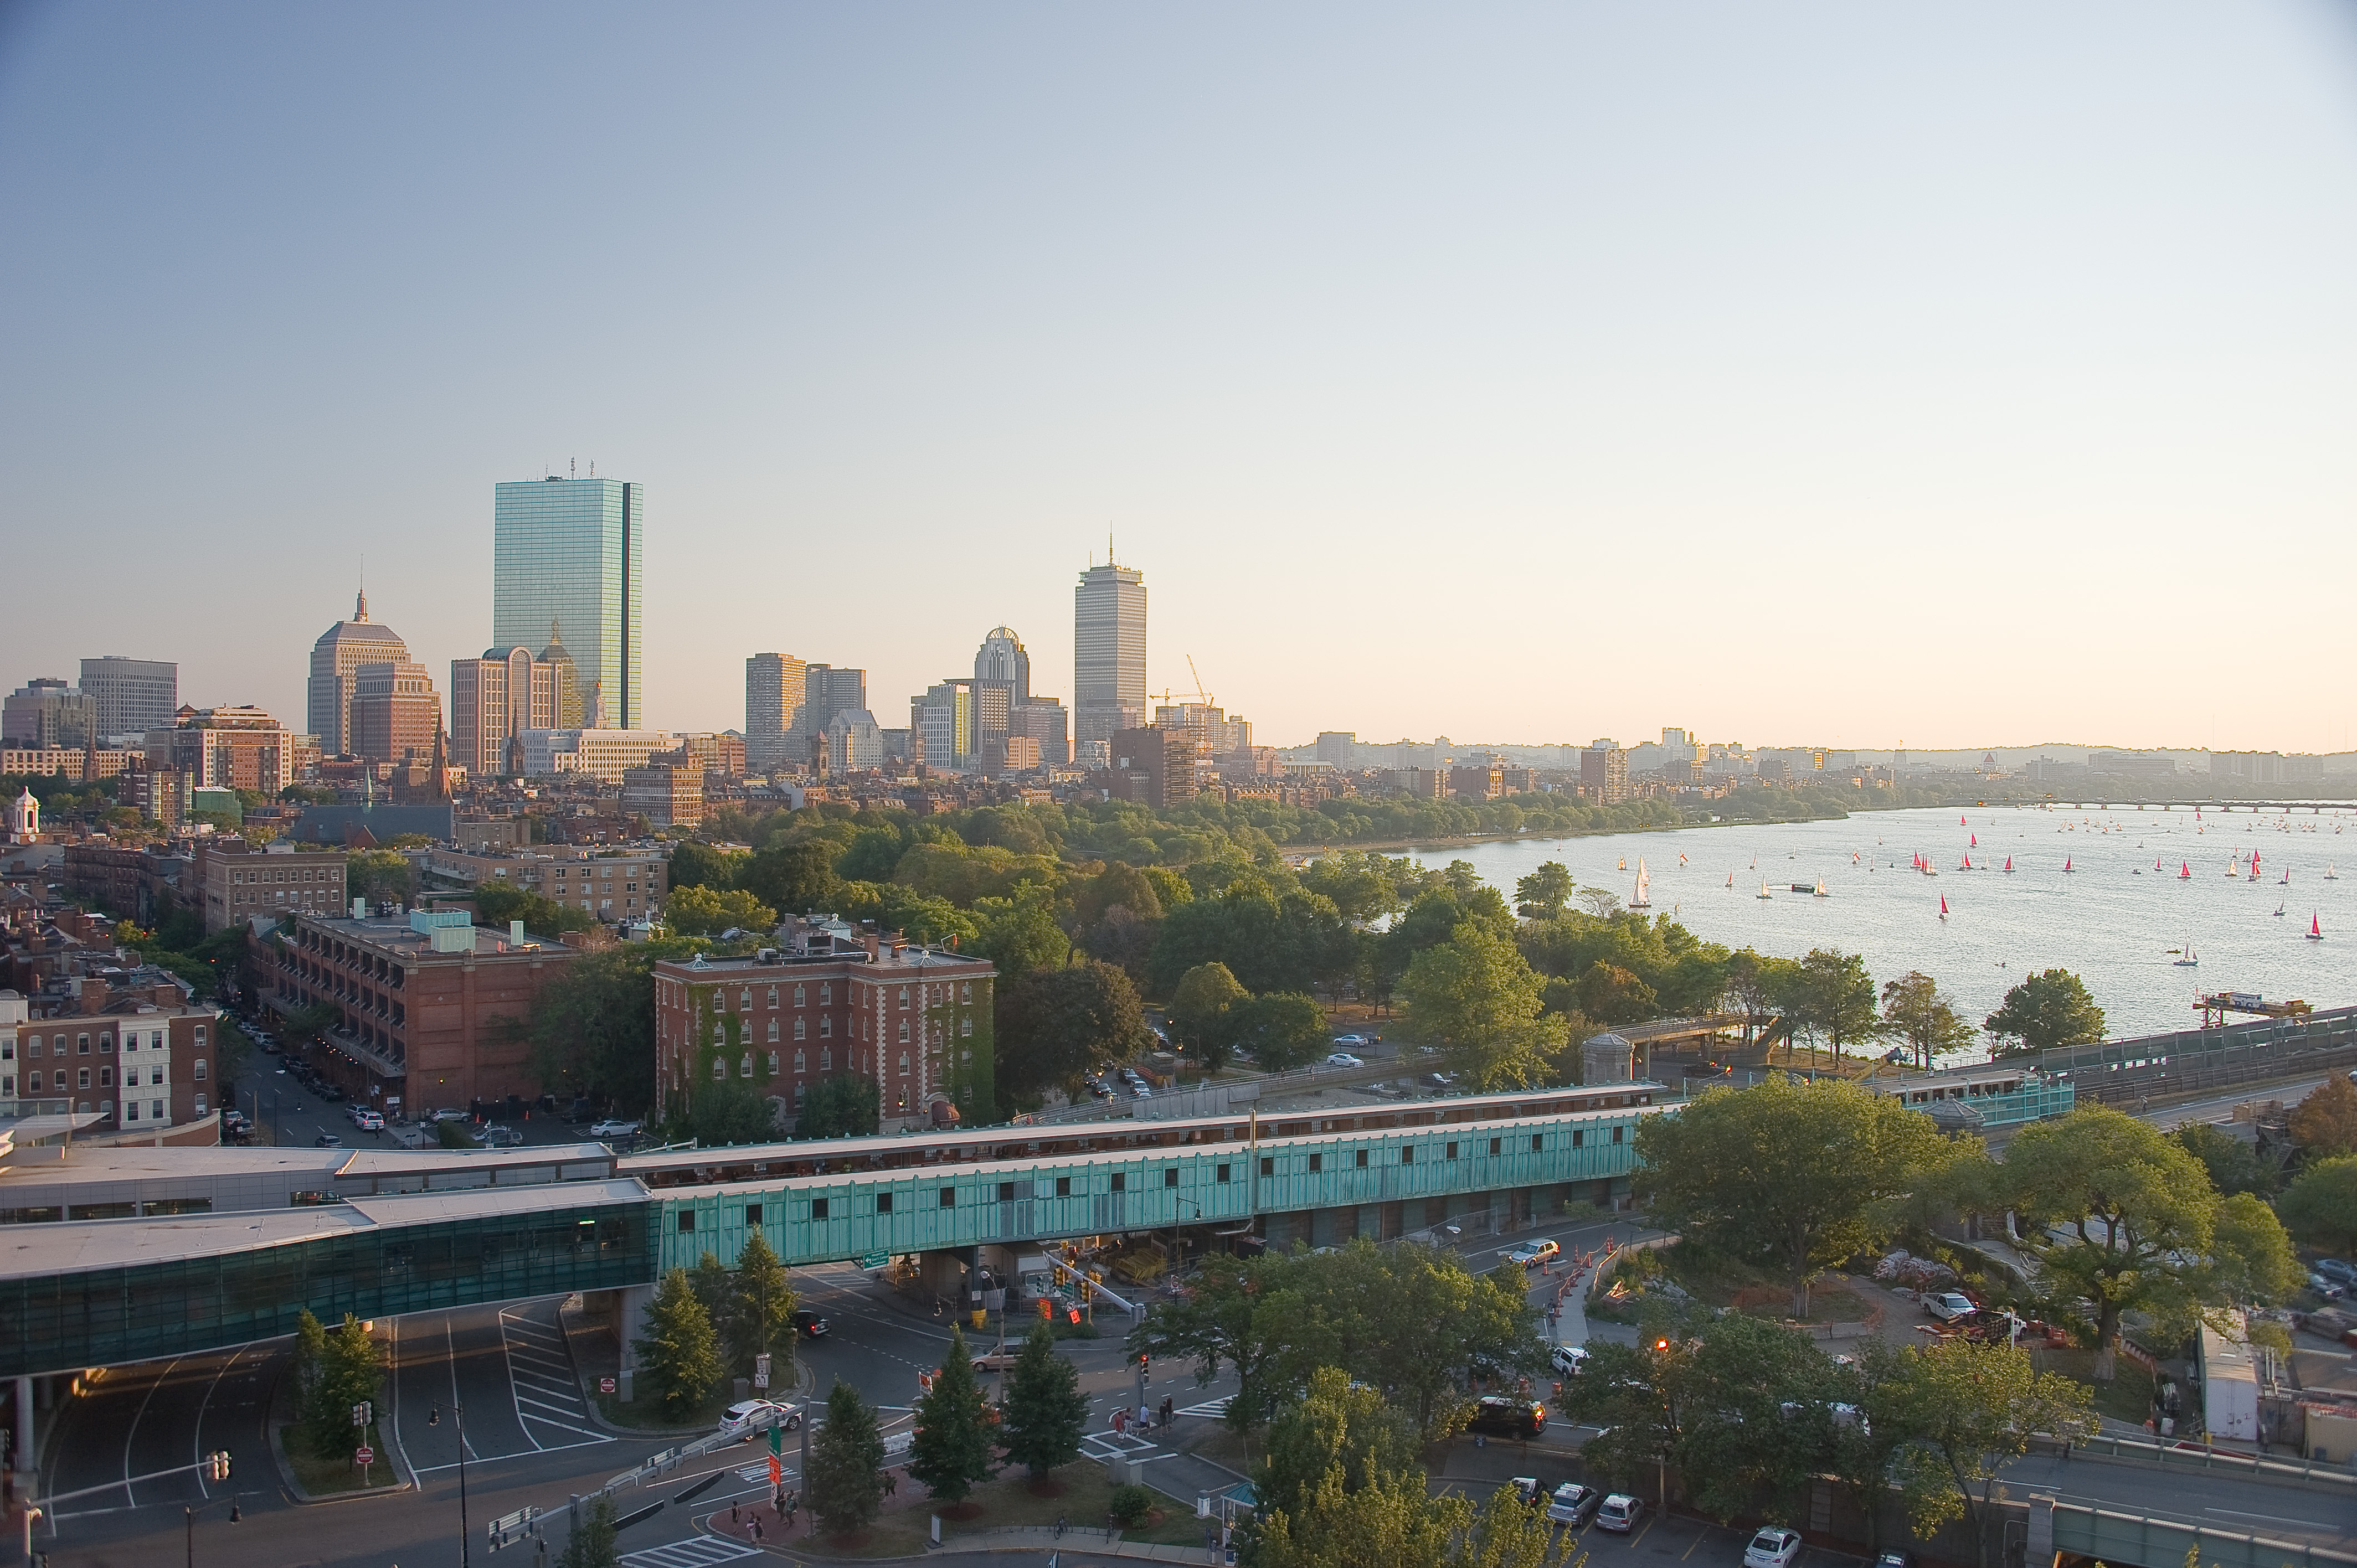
{"x":2279,"y":910}
{"x":1682,"y":859}
{"x":1976,"y":841}
{"x":2330,"y":875}
{"x":1643,"y":898}
{"x":2008,"y":865}
{"x":1943,"y":906}
{"x":1624,"y":863}
{"x":1968,"y":865}
{"x":2188,"y":961}
{"x":2185,"y":871}
{"x":2156,"y":864}
{"x":2255,"y":866}
{"x":1763,"y":889}
{"x":1730,"y":879}
{"x":2066,"y":863}
{"x":1821,"y":892}
{"x":2315,"y":928}
{"x":2286,"y":879}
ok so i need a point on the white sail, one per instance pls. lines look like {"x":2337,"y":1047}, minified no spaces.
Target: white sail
{"x":1644,"y":899}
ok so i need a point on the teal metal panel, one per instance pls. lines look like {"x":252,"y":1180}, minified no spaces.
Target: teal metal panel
{"x":905,"y":1212}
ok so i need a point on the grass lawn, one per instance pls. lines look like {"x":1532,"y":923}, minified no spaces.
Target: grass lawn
{"x":1082,"y":1495}
{"x":2128,"y":1397}
{"x":323,"y":1477}
{"x":649,"y":1413}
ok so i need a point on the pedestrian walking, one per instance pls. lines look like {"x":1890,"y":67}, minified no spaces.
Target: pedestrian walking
{"x":1167,"y":1413}
{"x":1060,"y":1525}
{"x":1121,"y":1421}
{"x":757,"y":1531}
{"x":732,"y":1513}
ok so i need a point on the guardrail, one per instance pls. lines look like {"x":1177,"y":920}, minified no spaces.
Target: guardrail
{"x":2112,"y":1537}
{"x":2201,"y":1456}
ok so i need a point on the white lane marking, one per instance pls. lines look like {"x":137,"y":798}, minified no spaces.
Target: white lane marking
{"x":393,"y":1354}
{"x":520,"y":1454}
{"x":197,"y":1438}
{"x":133,"y":1430}
{"x":695,"y":1552}
{"x":450,"y":1353}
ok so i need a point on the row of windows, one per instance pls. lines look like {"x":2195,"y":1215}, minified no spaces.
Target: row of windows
{"x":936,"y":995}
{"x":105,"y":1107}
{"x":131,"y":1039}
{"x":1224,"y":1172}
{"x":303,"y":873}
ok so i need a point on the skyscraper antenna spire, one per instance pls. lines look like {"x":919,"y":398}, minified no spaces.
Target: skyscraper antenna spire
{"x":360,"y":600}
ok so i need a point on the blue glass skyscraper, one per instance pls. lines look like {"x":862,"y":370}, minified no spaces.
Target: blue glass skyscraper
{"x":571,"y":554}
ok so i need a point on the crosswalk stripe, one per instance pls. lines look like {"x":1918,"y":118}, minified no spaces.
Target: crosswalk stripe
{"x":696,"y":1551}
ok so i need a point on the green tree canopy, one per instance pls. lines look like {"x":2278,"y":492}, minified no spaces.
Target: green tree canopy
{"x":795,"y":878}
{"x":1046,"y":1412}
{"x":842,"y":1105}
{"x":1545,"y":892}
{"x":1282,"y":1030}
{"x":593,"y":1543}
{"x":2049,"y":1010}
{"x":1970,"y":1410}
{"x":1020,"y":932}
{"x":1832,"y":998}
{"x":1916,"y":1011}
{"x":2234,"y":1165}
{"x":2320,"y":1205}
{"x":845,"y":1489}
{"x":760,"y":1310}
{"x":707,"y":911}
{"x":695,"y":863}
{"x":497,"y":904}
{"x":952,"y":1451}
{"x":1202,"y":1006}
{"x":592,"y":1028}
{"x":1476,"y":999}
{"x":2119,"y":1215}
{"x":1054,"y":1026}
{"x":335,"y":1369}
{"x":1797,"y":1176}
{"x":1335,"y":1423}
{"x":680,"y":1353}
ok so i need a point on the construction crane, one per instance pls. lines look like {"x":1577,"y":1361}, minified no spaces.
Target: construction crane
{"x":1170,"y":696}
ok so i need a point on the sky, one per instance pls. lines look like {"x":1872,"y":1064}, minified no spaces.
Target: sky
{"x":1836,"y":373}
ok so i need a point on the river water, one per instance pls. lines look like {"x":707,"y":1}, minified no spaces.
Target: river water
{"x":2110,"y":919}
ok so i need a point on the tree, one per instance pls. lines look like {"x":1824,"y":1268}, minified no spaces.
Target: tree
{"x":1390,"y":1520}
{"x":1282,"y":1030}
{"x":1477,"y":998}
{"x":760,"y":1318}
{"x":695,"y":863}
{"x":453,"y":1134}
{"x":348,"y":1368}
{"x":496,"y":905}
{"x":1833,"y":998}
{"x":1611,"y":995}
{"x":592,"y":1028}
{"x":952,"y":1453}
{"x":797,"y":878}
{"x":1796,"y":1175}
{"x":709,"y":1279}
{"x":845,"y":1490}
{"x":724,"y":1112}
{"x":1020,"y":932}
{"x":1202,"y":1007}
{"x":592,"y":1542}
{"x":1916,"y":1011}
{"x":2234,"y":1165}
{"x":2122,"y":1217}
{"x":1054,"y":1026}
{"x":1046,"y":1412}
{"x":1601,"y":903}
{"x":844,"y":1105}
{"x":1544,"y":893}
{"x":1117,"y":888}
{"x":1337,"y":1424}
{"x":2320,"y":1205}
{"x":2324,"y":1124}
{"x":1757,"y":986}
{"x":707,"y":911}
{"x":680,"y":1353}
{"x":1971,"y":1410}
{"x":2049,"y":1010}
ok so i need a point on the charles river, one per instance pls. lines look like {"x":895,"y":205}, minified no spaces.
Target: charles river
{"x":2110,"y":918}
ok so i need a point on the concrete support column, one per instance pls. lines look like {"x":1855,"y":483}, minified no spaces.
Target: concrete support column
{"x":2038,"y":1552}
{"x":26,"y":1460}
{"x":628,"y":1306}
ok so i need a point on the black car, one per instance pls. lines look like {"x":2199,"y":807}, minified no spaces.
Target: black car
{"x":809,"y":1325}
{"x":1501,"y":1417}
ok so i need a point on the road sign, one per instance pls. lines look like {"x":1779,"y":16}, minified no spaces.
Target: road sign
{"x":605,"y":1385}
{"x":874,"y":1259}
{"x":762,"y":1370}
{"x":364,"y":1457}
{"x":777,"y":1471}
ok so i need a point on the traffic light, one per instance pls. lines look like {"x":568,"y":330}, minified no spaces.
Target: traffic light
{"x":1145,"y":1363}
{"x":217,"y":1466}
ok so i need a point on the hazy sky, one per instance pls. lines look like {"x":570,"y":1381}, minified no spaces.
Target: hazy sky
{"x":1854,"y":374}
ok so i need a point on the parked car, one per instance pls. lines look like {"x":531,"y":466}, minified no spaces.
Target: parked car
{"x":1351,"y":1042}
{"x":366,"y":1120}
{"x":1438,"y":1079}
{"x":996,"y":1360}
{"x":1620,"y":1513}
{"x":614,"y":1128}
{"x":1343,"y":1058}
{"x":809,"y":1325}
{"x":1567,"y":1360}
{"x":446,"y":1115}
{"x":1894,"y":1558}
{"x":2335,"y":1270}
{"x":1502,"y":1417}
{"x":1949,"y":1306}
{"x":501,"y":1138}
{"x":746,"y":1417}
{"x":1531,"y":1254}
{"x":1139,"y":1092}
{"x":327,"y":1140}
{"x":2328,"y":1289}
{"x":1772,"y":1547}
{"x":1574,"y":1504}
{"x":1527,"y":1491}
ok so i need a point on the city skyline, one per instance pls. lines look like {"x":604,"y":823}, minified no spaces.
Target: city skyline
{"x":1630,"y":370}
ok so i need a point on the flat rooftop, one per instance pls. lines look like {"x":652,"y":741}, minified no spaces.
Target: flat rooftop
{"x":81,"y":1245}
{"x":146,"y":1163}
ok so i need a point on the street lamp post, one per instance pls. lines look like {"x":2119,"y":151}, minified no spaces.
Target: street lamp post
{"x":189,"y":1512}
{"x":458,"y":1415}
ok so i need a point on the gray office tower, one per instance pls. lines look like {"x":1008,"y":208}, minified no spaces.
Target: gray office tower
{"x":773,"y":695}
{"x":826,"y":691}
{"x":1108,"y":653}
{"x":134,"y":695}
{"x":572,"y":554}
